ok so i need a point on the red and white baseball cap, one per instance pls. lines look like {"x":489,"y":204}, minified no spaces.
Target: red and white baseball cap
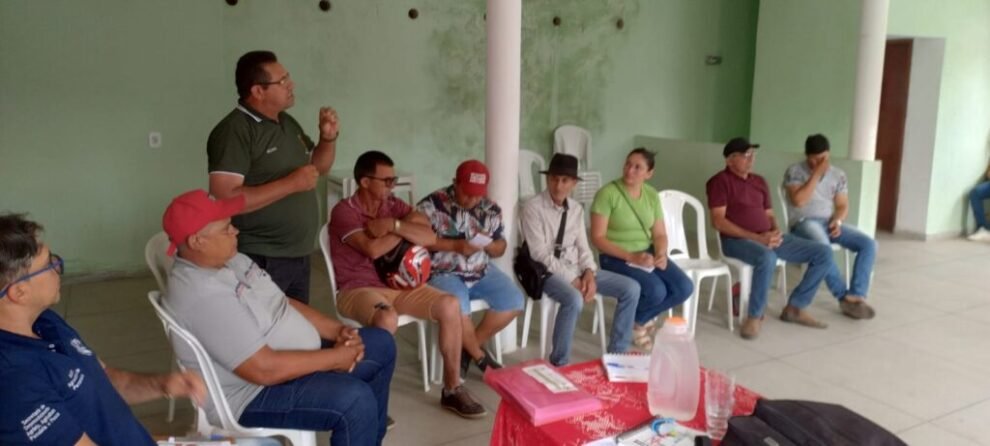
{"x":192,"y":211}
{"x":472,"y":176}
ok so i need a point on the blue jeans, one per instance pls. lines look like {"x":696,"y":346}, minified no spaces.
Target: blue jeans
{"x":764,"y":262}
{"x":850,"y":238}
{"x":353,"y":405}
{"x":976,"y":196}
{"x":660,"y":290}
{"x":623,"y":289}
{"x":495,"y":288}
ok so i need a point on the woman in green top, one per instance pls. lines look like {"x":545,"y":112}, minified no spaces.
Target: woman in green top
{"x":627,"y":228}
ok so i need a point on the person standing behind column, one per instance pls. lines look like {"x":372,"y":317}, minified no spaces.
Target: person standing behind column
{"x":574,"y":276}
{"x":627,"y":228}
{"x":262,"y":152}
{"x":818,"y":198}
{"x":461,"y":214}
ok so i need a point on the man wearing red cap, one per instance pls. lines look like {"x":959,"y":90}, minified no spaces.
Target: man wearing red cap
{"x":53,"y":388}
{"x":259,"y":151}
{"x":469,"y":233}
{"x":268,"y":350}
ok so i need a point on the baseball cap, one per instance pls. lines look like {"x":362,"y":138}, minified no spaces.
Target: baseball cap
{"x":472,"y":176}
{"x":738,"y":145}
{"x":192,"y":211}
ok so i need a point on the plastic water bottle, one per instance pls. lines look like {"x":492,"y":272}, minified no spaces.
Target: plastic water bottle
{"x":674,"y":384}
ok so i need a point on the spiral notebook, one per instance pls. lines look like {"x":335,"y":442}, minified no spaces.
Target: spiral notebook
{"x":627,"y":367}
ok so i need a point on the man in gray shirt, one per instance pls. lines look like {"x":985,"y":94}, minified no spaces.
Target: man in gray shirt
{"x":267,"y":349}
{"x":818,"y":201}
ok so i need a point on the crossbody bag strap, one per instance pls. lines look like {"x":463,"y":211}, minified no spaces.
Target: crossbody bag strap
{"x":649,"y":235}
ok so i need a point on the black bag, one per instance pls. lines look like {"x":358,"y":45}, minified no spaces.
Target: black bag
{"x":806,"y":423}
{"x":530,"y":273}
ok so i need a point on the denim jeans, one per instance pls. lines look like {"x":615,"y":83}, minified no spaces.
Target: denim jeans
{"x":850,"y":238}
{"x":353,"y":405}
{"x":764,"y":262}
{"x":495,"y":288}
{"x":609,"y":284}
{"x":976,"y":197}
{"x":660,"y":290}
{"x":291,"y":274}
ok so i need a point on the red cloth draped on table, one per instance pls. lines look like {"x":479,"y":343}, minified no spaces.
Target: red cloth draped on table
{"x":624,"y":408}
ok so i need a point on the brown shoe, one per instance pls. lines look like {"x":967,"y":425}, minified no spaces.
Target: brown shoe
{"x":751,"y":327}
{"x":857,"y":310}
{"x":462,"y":403}
{"x":799,"y":316}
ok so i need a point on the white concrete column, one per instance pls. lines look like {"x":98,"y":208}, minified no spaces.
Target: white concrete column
{"x":502,"y":95}
{"x":869,"y":79}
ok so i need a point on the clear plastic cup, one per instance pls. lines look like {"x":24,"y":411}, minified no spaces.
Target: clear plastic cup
{"x":719,"y":400}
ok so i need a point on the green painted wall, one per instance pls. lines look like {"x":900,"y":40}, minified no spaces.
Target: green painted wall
{"x":84,"y":83}
{"x":805,"y":73}
{"x":962,"y":139}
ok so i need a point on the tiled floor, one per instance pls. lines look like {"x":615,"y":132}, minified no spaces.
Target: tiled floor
{"x":919,"y":368}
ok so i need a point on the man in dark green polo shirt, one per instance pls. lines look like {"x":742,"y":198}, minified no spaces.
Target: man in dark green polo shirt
{"x":262,"y":152}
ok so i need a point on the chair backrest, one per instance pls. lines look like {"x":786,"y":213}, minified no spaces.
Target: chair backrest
{"x":325,"y":249}
{"x":782,"y":194}
{"x":158,"y":261}
{"x":179,"y":337}
{"x":586,"y":189}
{"x":573,"y":140}
{"x":673,"y":203}
{"x":527,"y":160}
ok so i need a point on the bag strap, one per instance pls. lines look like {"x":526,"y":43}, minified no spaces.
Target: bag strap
{"x":558,"y":244}
{"x":649,"y":235}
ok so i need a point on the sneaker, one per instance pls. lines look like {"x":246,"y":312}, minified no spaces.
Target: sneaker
{"x":486,"y":362}
{"x":389,"y":423}
{"x":981,"y":235}
{"x":751,"y":327}
{"x":799,"y":316}
{"x":462,"y":403}
{"x":856,"y":310}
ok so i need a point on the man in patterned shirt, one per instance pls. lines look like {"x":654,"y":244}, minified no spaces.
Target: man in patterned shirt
{"x":470,"y":233}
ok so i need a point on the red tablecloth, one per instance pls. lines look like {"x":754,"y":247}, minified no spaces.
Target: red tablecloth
{"x":624,"y":408}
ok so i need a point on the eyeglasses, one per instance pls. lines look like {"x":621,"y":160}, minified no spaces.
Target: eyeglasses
{"x":55,"y":263}
{"x":389,"y":181}
{"x":281,"y":82}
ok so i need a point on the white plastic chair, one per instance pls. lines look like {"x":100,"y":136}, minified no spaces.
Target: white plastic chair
{"x":782,"y":193}
{"x":586,"y":189}
{"x":160,"y":263}
{"x":573,"y":140}
{"x":746,"y":281}
{"x":699,"y":267}
{"x":404,"y":319}
{"x":527,"y":160}
{"x":228,"y":424}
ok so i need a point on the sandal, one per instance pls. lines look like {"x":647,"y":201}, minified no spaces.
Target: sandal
{"x":642,"y":336}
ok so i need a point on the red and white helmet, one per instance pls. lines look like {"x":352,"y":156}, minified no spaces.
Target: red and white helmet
{"x":412,"y":271}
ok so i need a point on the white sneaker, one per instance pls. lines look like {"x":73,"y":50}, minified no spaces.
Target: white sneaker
{"x":981,"y":235}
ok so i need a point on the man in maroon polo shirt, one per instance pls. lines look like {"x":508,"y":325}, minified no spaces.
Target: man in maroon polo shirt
{"x":741,"y":212}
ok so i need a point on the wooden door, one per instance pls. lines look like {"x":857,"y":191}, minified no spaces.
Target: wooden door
{"x":890,"y":132}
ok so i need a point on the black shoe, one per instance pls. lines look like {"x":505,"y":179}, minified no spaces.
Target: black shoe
{"x":486,"y":362}
{"x":462,"y":403}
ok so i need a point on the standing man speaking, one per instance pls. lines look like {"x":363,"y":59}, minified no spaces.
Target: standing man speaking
{"x":262,"y":152}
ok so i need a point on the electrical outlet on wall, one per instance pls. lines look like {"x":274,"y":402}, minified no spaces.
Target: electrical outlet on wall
{"x":155,"y":140}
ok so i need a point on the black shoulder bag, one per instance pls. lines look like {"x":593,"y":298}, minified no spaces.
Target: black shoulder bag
{"x":532,"y":274}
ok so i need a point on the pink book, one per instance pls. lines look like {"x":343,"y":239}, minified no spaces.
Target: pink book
{"x":541,"y":392}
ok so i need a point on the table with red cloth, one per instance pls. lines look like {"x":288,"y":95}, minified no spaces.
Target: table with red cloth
{"x":623,"y":407}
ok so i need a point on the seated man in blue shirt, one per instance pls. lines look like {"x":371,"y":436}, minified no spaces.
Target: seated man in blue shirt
{"x":53,"y":388}
{"x":281,"y":363}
